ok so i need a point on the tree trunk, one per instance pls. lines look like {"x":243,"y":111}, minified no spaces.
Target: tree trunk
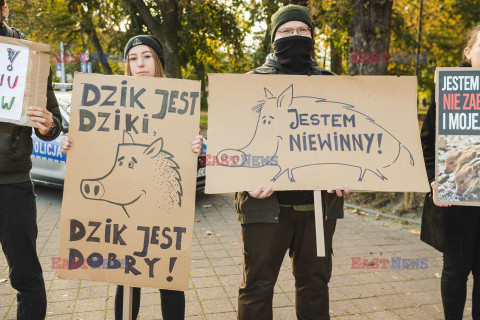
{"x":170,"y":28}
{"x":98,"y":47}
{"x":90,"y":30}
{"x":335,"y":59}
{"x":299,"y":2}
{"x":200,"y":72}
{"x":409,"y":200}
{"x":369,"y":32}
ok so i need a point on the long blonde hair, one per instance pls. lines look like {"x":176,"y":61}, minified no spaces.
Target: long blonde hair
{"x":472,"y":38}
{"x":159,"y":73}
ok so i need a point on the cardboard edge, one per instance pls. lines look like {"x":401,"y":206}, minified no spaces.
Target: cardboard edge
{"x":34,"y":46}
{"x":437,"y":114}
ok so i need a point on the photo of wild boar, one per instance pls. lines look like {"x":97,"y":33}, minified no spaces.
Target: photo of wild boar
{"x":458,"y":168}
{"x":164,"y":182}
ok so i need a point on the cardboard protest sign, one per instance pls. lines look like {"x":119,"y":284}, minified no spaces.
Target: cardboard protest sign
{"x":313,"y":133}
{"x":128,"y":205}
{"x":23,"y":79}
{"x":458,"y":136}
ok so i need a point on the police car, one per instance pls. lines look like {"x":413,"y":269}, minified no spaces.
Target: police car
{"x":49,"y":162}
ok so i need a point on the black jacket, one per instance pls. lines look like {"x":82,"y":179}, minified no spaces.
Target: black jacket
{"x":442,"y":227}
{"x":251,"y":210}
{"x":15,"y":141}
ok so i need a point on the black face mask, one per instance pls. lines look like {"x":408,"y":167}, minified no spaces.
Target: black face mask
{"x":293,"y":54}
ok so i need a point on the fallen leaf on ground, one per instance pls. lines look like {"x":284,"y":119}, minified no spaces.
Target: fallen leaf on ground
{"x":438,"y":275}
{"x":208,"y":233}
{"x":197,"y":220}
{"x":206,"y":205}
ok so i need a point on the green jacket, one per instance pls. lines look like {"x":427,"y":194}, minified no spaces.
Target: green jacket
{"x":252,"y":210}
{"x":16,"y":141}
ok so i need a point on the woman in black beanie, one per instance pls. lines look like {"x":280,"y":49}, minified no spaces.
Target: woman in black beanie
{"x":144,"y":57}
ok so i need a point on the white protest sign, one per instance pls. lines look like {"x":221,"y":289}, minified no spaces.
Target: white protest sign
{"x":13,"y":76}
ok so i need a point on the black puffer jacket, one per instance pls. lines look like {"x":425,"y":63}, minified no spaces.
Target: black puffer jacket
{"x":15,"y":140}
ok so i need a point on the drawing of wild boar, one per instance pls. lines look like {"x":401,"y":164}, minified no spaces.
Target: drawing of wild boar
{"x":315,"y":126}
{"x":140,"y":174}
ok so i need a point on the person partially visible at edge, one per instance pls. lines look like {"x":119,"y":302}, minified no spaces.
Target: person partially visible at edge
{"x":453,"y":230}
{"x":18,"y":214}
{"x":274,"y":222}
{"x":144,"y":57}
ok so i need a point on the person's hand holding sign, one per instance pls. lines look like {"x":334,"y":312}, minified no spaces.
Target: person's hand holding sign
{"x":42,"y":117}
{"x":434,"y":193}
{"x":197,"y":145}
{"x":338,"y":190}
{"x":66,"y":144}
{"x":259,"y":193}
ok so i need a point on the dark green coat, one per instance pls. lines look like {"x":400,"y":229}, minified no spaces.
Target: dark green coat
{"x":251,"y":210}
{"x":15,"y":141}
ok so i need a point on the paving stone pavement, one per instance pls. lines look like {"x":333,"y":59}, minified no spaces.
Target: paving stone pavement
{"x":390,"y":293}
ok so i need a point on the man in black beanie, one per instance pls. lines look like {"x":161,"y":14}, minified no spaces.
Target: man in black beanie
{"x":18,"y":214}
{"x":274,"y":222}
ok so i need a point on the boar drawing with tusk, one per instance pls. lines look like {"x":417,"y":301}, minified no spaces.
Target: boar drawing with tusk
{"x":318,"y":127}
{"x":130,"y":183}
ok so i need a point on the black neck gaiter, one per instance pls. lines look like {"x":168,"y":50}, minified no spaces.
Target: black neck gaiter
{"x":293,"y":54}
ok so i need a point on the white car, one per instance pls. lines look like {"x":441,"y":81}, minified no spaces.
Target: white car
{"x":49,"y":162}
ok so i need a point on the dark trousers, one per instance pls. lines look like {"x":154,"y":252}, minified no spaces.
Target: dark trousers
{"x":264,"y":247}
{"x":18,"y":236}
{"x":173,"y":304}
{"x":456,"y":269}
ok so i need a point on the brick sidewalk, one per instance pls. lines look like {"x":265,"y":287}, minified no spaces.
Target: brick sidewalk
{"x":216,"y":272}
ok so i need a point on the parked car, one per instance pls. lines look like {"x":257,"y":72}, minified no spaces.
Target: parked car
{"x":49,"y":162}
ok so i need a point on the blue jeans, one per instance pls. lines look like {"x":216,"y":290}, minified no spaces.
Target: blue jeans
{"x":18,"y":236}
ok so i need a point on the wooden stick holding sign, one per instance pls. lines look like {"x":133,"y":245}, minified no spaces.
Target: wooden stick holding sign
{"x":127,"y":303}
{"x":317,"y":196}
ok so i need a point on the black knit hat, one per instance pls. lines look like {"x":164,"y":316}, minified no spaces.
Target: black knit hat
{"x":290,"y":13}
{"x":146,"y":40}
